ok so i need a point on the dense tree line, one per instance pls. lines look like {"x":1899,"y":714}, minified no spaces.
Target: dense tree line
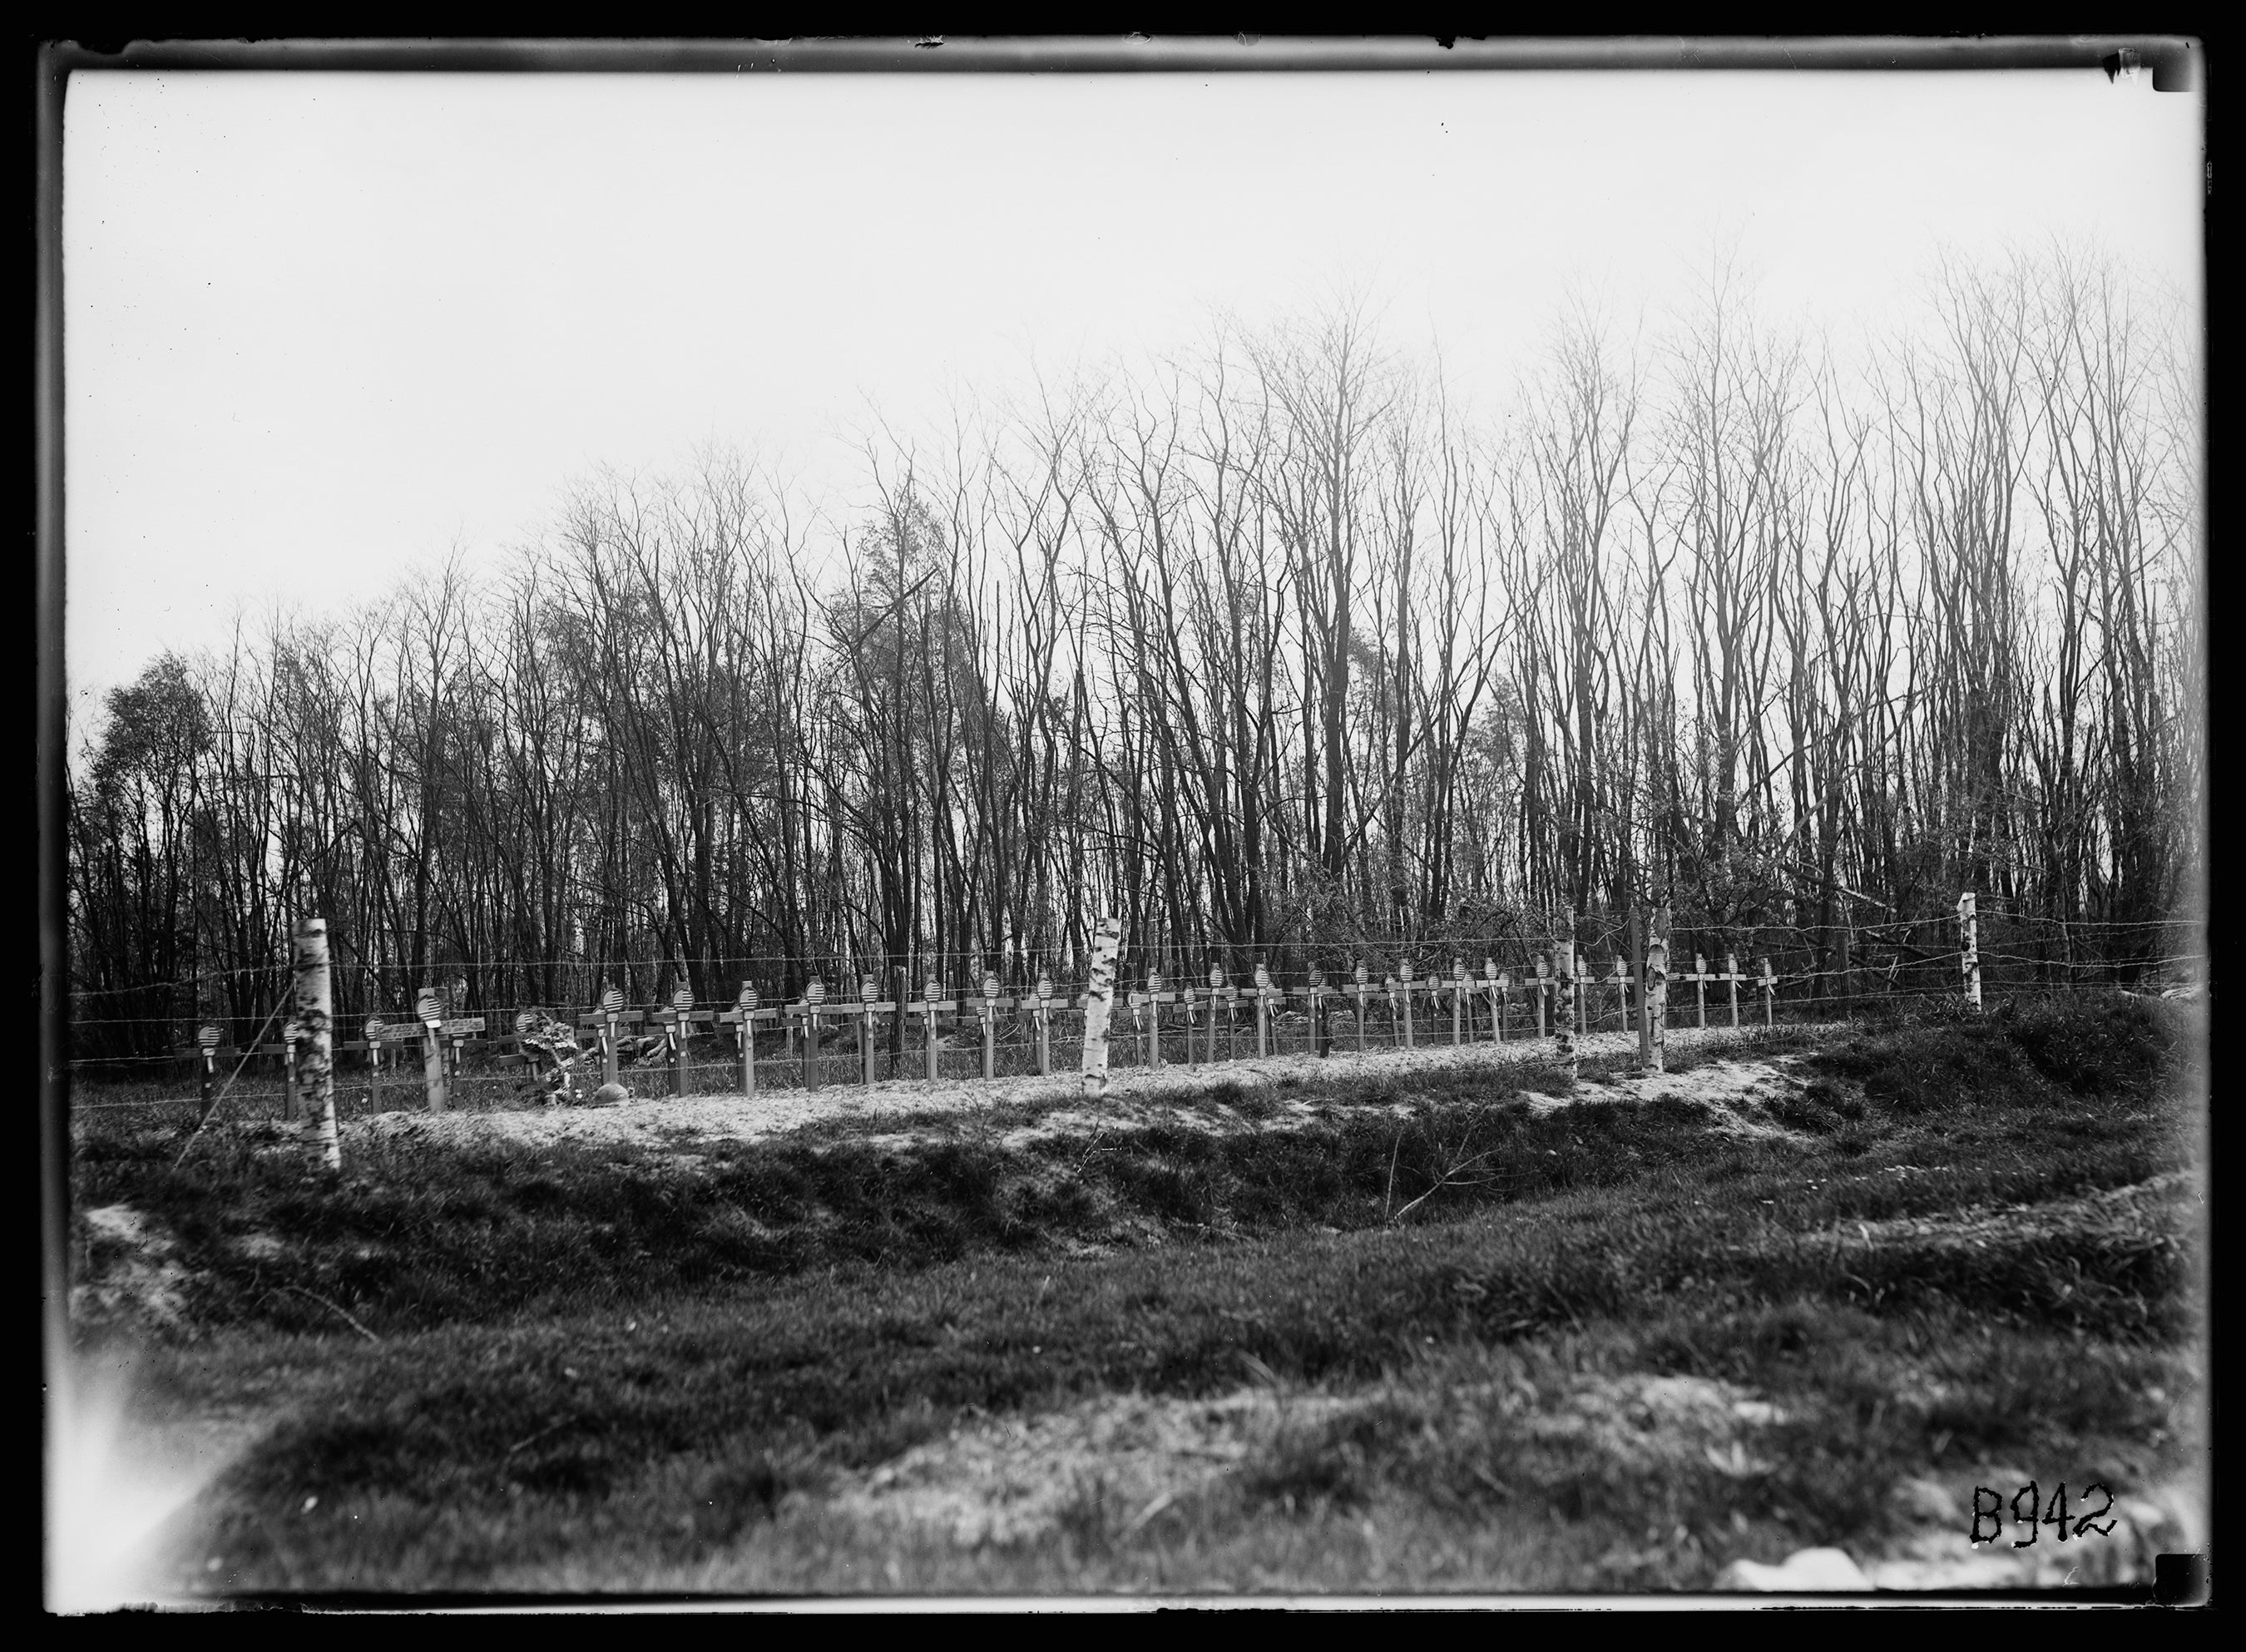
{"x":1269,"y":649}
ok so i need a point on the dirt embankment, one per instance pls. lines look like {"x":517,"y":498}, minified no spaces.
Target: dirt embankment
{"x":1738,"y":1091}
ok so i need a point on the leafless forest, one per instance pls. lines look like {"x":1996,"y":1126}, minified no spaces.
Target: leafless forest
{"x":1271,"y":647}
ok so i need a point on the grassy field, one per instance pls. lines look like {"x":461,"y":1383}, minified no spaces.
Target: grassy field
{"x":1348,"y":1334}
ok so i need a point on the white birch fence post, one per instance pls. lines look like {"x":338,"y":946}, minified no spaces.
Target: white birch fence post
{"x":1969,"y":958}
{"x":1099,"y":1002}
{"x":316,"y":1072}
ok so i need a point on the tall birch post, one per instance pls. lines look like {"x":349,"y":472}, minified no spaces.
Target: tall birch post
{"x":1969,"y":958}
{"x":316,"y":1071}
{"x":1099,"y":1002}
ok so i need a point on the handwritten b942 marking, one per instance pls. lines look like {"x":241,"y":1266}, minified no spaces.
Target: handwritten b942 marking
{"x":2037,"y":1515}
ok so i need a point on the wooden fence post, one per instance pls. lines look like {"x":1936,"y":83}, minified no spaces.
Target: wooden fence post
{"x":1099,"y":1002}
{"x":1968,"y":960}
{"x":431,"y":1015}
{"x":316,"y":1021}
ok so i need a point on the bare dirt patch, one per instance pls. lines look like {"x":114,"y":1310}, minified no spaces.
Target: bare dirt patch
{"x":126,"y":1271}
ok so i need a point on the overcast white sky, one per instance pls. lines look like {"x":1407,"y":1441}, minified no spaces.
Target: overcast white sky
{"x":318,"y":328}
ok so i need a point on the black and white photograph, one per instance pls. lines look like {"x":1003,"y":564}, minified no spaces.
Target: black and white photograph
{"x":1088,"y":823}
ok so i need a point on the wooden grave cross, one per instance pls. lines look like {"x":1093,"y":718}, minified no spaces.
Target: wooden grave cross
{"x":1500,"y":987}
{"x":744,"y":1017}
{"x":1700,"y":986}
{"x":930,"y":1004}
{"x":1543,"y":990}
{"x":1769,"y":992}
{"x":1404,"y":970}
{"x":1221,"y":987}
{"x":1141,"y":1000}
{"x":1041,"y":1007}
{"x":1461,"y":988}
{"x":1732,"y":974}
{"x":208,"y":1036}
{"x":430,"y":1014}
{"x":870,"y":1005}
{"x":1361,"y":989}
{"x":805,"y":1012}
{"x":1266,"y":996}
{"x":991,"y":1004}
{"x":679,"y":1023}
{"x":291,"y":1030}
{"x":1313,"y":996}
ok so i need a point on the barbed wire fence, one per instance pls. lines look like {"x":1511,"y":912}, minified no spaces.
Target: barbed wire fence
{"x":1009,"y":1016}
